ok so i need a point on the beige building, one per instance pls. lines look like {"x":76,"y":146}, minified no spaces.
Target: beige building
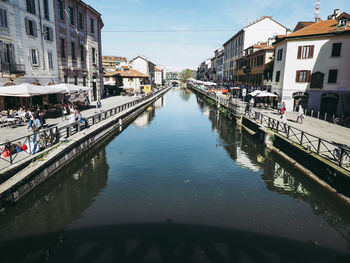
{"x":113,"y":63}
{"x":78,"y":37}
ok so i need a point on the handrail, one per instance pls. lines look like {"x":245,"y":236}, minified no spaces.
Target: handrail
{"x":10,"y":151}
{"x":332,"y":151}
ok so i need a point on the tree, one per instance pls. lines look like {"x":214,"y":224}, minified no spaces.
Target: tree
{"x":185,"y":75}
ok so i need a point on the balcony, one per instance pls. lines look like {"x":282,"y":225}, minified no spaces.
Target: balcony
{"x":12,"y":69}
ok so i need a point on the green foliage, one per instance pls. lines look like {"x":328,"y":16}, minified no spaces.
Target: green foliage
{"x":185,"y":75}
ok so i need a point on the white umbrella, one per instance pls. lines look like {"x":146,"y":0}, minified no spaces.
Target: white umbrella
{"x":29,"y":90}
{"x":210,"y":83}
{"x":266,"y":94}
{"x":69,"y":88}
{"x":255,"y":92}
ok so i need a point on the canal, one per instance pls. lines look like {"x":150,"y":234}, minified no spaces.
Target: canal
{"x":181,"y":183}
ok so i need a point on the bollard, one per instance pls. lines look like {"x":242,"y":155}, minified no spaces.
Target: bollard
{"x":325,"y":116}
{"x":312,"y":113}
{"x":120,"y":122}
{"x":318,"y":115}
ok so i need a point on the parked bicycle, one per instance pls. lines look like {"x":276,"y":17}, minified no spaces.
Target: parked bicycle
{"x":342,"y":154}
{"x":343,"y":120}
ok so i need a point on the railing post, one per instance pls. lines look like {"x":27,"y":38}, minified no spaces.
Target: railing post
{"x":78,"y":126}
{"x":69,"y":130}
{"x":268,"y":124}
{"x":301,"y":138}
{"x":288,"y":130}
{"x":318,"y":146}
{"x":278,"y":126}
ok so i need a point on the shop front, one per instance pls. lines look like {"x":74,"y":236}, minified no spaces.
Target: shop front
{"x":300,"y":98}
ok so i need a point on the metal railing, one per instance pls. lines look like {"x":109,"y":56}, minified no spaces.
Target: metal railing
{"x":338,"y":154}
{"x":16,"y":150}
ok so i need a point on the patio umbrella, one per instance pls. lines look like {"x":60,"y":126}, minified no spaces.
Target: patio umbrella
{"x":210,"y":83}
{"x":255,"y":93}
{"x":29,"y":90}
{"x":266,"y":94}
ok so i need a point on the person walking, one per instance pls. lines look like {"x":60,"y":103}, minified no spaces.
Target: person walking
{"x":300,"y":114}
{"x":279,"y":108}
{"x":29,"y":116}
{"x":247,"y":109}
{"x":99,"y":104}
{"x":283,"y":109}
{"x":284,"y":121}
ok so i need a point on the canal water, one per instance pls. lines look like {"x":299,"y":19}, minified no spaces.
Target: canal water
{"x":181,"y":183}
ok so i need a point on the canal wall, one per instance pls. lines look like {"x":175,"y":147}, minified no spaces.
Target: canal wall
{"x":329,"y":176}
{"x":28,"y":174}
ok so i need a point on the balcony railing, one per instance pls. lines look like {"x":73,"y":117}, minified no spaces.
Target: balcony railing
{"x":12,"y":68}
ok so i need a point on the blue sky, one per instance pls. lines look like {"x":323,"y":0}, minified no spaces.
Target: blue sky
{"x":181,"y":50}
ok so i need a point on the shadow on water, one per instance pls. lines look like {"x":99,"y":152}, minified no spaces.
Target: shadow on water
{"x":171,"y":242}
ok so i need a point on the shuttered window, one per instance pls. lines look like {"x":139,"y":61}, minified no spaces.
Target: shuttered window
{"x":46,"y":9}
{"x":279,"y":54}
{"x":73,"y":50}
{"x":336,"y":49}
{"x":303,"y":76}
{"x":48,"y":33}
{"x":31,"y":6}
{"x":3,"y":18}
{"x":305,"y":52}
{"x":50,"y":59}
{"x":63,"y":48}
{"x":278,"y":74}
{"x":60,"y":10}
{"x":80,"y":20}
{"x":31,"y":28}
{"x":333,"y":76}
{"x":34,"y":57}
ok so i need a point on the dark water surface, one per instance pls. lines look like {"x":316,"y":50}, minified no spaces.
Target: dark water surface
{"x":180,"y":184}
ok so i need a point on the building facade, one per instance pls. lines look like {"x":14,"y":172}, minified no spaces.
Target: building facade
{"x":260,"y":30}
{"x":145,"y":66}
{"x":255,"y":66}
{"x":311,"y":67}
{"x":27,"y":42}
{"x":112,"y":63}
{"x":78,"y":38}
{"x":158,"y":76}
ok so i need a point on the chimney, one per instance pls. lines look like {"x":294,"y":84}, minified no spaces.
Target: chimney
{"x":336,"y":13}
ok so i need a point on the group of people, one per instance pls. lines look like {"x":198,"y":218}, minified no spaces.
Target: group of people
{"x":282,"y":111}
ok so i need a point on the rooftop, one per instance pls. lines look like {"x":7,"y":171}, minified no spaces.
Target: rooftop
{"x":126,"y":74}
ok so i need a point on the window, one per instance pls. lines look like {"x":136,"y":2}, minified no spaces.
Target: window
{"x":93,"y":56}
{"x":3,"y":18}
{"x":63,"y":48}
{"x":73,"y":51}
{"x":278,"y":74}
{"x":49,"y":59}
{"x":317,"y":80}
{"x":65,"y":79}
{"x":92,"y":26}
{"x":279,"y":54}
{"x":75,"y":80}
{"x":336,"y":49}
{"x":303,"y":76}
{"x":82,"y":53}
{"x":332,"y":76}
{"x":34,"y":56}
{"x":305,"y":52}
{"x":31,"y":6}
{"x":84,"y":81}
{"x":60,"y":10}
{"x":31,"y":27}
{"x":46,"y":9}
{"x":80,"y":20}
{"x":260,"y":60}
{"x":71,"y":15}
{"x":48,"y":33}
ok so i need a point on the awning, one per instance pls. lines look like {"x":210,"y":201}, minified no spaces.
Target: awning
{"x":266,"y":94}
{"x":70,"y":88}
{"x":29,"y":90}
{"x":210,"y":83}
{"x":255,"y":93}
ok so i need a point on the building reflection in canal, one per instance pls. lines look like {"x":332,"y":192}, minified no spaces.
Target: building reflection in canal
{"x":146,"y":117}
{"x":36,"y":224}
{"x":278,"y":175}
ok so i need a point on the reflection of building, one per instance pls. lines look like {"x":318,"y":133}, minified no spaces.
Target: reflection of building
{"x":112,"y":63}
{"x":146,"y":117}
{"x":78,"y":37}
{"x":27,"y":42}
{"x":311,"y":66}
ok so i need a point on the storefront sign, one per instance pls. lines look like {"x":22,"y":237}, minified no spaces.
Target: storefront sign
{"x":300,"y":94}
{"x":244,"y":92}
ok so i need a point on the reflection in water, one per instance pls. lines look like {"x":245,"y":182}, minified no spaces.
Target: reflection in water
{"x":185,"y":94}
{"x":146,"y":117}
{"x":279,"y":176}
{"x":50,"y":208}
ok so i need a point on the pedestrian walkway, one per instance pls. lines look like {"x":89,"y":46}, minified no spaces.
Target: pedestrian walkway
{"x":8,"y":133}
